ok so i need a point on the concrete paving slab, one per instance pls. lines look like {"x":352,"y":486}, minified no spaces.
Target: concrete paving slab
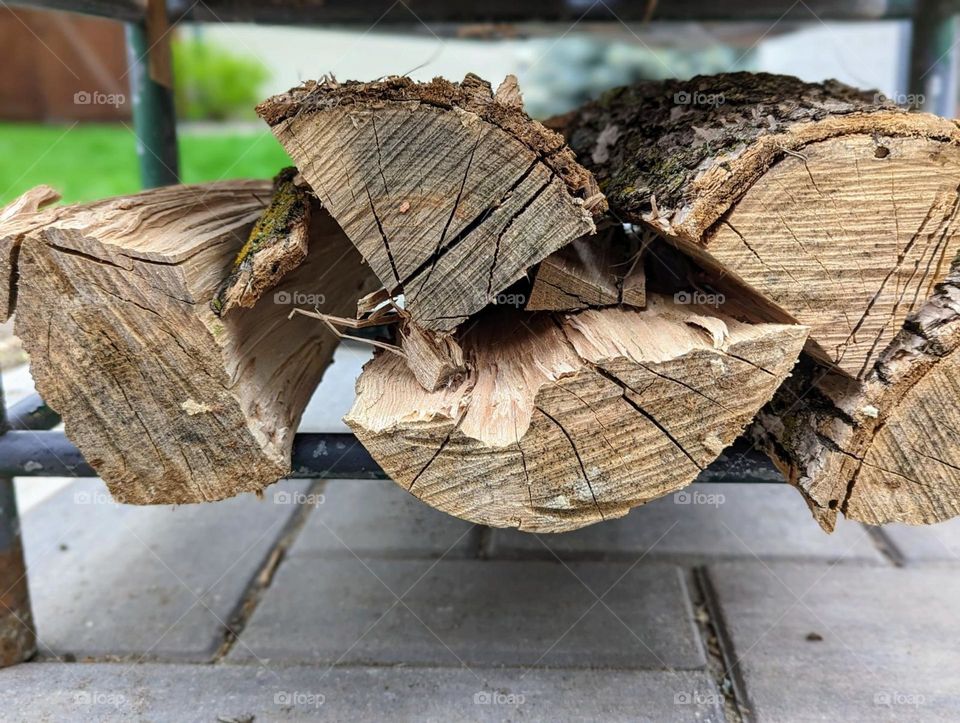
{"x":477,"y":612}
{"x":927,"y":544}
{"x":861,"y":644}
{"x":184,"y":694}
{"x":121,"y":580}
{"x":377,"y":518}
{"x":334,"y":395}
{"x":703,"y":522}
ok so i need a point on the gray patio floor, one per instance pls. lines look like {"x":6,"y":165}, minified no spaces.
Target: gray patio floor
{"x":350,"y":600}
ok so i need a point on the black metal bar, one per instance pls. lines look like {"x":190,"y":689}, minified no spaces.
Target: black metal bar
{"x":18,"y":637}
{"x":154,"y":117}
{"x":367,"y":12}
{"x":129,"y":11}
{"x":315,"y":455}
{"x":32,"y":413}
{"x":934,"y":56}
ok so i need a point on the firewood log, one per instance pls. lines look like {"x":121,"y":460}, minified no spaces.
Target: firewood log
{"x":449,"y":191}
{"x":825,"y":200}
{"x":563,"y":420}
{"x":167,"y":401}
{"x":886,"y":450}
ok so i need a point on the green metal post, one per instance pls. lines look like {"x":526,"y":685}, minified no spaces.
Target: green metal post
{"x":933,"y":57}
{"x":154,"y":119}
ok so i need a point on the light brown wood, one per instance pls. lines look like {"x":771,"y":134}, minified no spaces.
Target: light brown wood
{"x":449,"y":192}
{"x":591,"y":272}
{"x":840,"y":210}
{"x":886,"y":450}
{"x":565,"y":420}
{"x":168,"y":402}
{"x":18,"y":219}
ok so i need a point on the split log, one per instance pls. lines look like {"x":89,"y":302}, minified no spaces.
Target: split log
{"x":590,"y":272}
{"x":565,"y":420}
{"x":449,"y":191}
{"x":886,"y":450}
{"x":168,"y":402}
{"x":828,"y":201}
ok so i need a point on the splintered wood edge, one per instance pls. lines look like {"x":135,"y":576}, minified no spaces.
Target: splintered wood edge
{"x":473,"y":95}
{"x":402,"y":424}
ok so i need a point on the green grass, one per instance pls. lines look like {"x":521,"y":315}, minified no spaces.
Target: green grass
{"x":91,"y":161}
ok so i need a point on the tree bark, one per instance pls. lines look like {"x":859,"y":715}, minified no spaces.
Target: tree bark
{"x":829,"y":202}
{"x":168,"y":402}
{"x":565,"y":420}
{"x":449,"y":191}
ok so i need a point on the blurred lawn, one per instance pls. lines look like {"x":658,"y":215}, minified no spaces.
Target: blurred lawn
{"x":92,"y":161}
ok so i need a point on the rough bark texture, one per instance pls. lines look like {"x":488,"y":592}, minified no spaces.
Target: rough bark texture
{"x":278,"y":243}
{"x":839,"y":209}
{"x":887,"y":450}
{"x":448,"y":191}
{"x":566,"y":420}
{"x":594,"y":271}
{"x":169,"y":403}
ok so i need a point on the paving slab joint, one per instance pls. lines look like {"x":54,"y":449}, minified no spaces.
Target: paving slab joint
{"x":272,"y":561}
{"x":721,"y":660}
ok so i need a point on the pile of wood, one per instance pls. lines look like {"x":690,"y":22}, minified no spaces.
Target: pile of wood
{"x":583,"y":314}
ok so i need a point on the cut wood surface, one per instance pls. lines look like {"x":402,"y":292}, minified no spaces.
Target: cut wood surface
{"x":887,"y":450}
{"x":17,"y":219}
{"x":828,"y":201}
{"x":449,"y":191}
{"x":565,"y":420}
{"x":594,"y":271}
{"x":168,"y":402}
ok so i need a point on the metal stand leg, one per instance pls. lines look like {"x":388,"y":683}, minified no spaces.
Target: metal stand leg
{"x":933,"y":57}
{"x":18,"y":637}
{"x":154,"y":119}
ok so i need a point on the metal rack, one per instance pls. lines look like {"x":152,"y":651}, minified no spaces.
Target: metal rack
{"x":29,"y":448}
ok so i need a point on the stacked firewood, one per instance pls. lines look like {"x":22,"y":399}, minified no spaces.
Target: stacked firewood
{"x":582,"y":315}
